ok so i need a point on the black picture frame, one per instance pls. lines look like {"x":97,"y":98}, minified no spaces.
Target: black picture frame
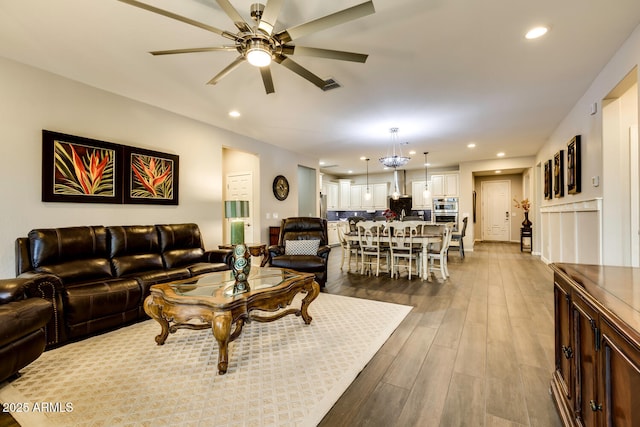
{"x":76,"y":169}
{"x":558,"y":174}
{"x":547,"y":180}
{"x":574,"y":166}
{"x":151,"y":177}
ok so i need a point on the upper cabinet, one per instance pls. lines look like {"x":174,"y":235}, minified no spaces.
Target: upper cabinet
{"x":444,"y":185}
{"x":345,"y":194}
{"x":418,"y":202}
{"x":333,"y":198}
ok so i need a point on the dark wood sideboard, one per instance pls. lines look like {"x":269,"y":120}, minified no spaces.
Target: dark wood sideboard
{"x":596,"y":381}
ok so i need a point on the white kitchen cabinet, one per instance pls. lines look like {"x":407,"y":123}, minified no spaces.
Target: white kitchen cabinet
{"x":332,"y":233}
{"x":367,"y":204}
{"x":418,"y":202}
{"x":380,"y":195}
{"x":332,"y":191}
{"x":357,"y":195}
{"x":345,"y":194}
{"x":445,"y":185}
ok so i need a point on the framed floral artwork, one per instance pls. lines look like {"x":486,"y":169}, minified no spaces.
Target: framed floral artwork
{"x":558,"y":174}
{"x":573,"y":165}
{"x":150,"y":177}
{"x":77,"y":169}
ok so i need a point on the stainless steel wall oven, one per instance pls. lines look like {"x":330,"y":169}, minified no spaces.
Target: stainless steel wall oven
{"x":445,"y":209}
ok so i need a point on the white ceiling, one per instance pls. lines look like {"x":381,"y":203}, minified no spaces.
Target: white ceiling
{"x":446,"y":72}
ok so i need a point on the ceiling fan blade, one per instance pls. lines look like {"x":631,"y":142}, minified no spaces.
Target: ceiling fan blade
{"x":324,"y":53}
{"x":229,"y":68}
{"x":195,"y":50}
{"x":325,"y":22}
{"x":234,"y":15}
{"x":180,"y":18}
{"x":300,"y":70}
{"x":267,"y":80}
{"x":270,"y":16}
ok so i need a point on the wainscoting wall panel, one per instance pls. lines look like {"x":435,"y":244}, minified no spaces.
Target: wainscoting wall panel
{"x":572,"y":232}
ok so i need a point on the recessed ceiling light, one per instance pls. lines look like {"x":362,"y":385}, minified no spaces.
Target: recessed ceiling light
{"x":412,"y":152}
{"x":234,"y":113}
{"x":322,"y":163}
{"x":350,"y":172}
{"x":536,"y":32}
{"x":471,"y":145}
{"x":500,"y":154}
{"x":498,"y":171}
{"x":363,"y":158}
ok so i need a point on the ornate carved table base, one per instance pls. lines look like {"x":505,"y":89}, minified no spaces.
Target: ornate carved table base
{"x":226,"y":315}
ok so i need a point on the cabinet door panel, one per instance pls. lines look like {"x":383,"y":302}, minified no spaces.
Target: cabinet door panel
{"x":563,"y":347}
{"x":620,"y":370}
{"x":586,"y":336}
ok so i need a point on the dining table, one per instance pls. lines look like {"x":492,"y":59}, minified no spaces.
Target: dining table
{"x":424,"y":239}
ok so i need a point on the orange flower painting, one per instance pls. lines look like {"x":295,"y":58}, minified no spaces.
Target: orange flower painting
{"x":83,"y":170}
{"x":152,"y":177}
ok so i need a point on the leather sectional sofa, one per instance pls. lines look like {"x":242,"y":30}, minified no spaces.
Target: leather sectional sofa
{"x":97,"y":278}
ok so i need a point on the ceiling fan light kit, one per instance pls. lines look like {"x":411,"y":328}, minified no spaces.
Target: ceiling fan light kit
{"x":258,"y":44}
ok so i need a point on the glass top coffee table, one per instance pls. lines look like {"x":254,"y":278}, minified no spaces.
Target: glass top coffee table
{"x":215,"y":301}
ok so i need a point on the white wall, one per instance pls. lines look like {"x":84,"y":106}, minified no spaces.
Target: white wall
{"x":32,"y":100}
{"x":580,"y":121}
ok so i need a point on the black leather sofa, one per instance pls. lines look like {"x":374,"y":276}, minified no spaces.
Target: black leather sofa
{"x":303,"y":228}
{"x":23,"y":317}
{"x":98,"y":277}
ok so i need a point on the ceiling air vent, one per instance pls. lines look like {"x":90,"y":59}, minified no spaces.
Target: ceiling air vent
{"x":331,"y":83}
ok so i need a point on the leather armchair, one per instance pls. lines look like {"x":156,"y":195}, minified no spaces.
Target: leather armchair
{"x":303,"y":228}
{"x":23,"y":319}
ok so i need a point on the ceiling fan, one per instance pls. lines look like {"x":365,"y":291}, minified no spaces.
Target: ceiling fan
{"x":258,"y":44}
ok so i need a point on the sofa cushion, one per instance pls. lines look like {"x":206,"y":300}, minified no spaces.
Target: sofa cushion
{"x":72,"y":253}
{"x":182,"y":257}
{"x":307,"y":263}
{"x":133,"y":249}
{"x":301,"y":247}
{"x":98,"y":299}
{"x":180,"y":244}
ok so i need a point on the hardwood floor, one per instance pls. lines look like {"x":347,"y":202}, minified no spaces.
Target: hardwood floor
{"x":476,"y":350}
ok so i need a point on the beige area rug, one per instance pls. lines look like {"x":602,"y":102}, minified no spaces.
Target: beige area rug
{"x":283,"y":373}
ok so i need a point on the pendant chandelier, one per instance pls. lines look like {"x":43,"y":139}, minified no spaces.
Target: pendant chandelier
{"x":426,"y":194}
{"x":394,"y":157}
{"x":367,"y":195}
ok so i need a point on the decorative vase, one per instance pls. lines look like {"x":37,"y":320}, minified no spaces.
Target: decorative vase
{"x":241,"y":267}
{"x":526,"y":223}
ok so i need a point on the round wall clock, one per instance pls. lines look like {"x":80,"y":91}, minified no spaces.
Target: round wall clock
{"x":280,"y":187}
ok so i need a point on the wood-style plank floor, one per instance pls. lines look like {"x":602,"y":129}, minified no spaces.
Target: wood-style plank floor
{"x":476,"y":350}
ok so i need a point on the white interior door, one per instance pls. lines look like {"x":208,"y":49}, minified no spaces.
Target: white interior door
{"x":240,"y":187}
{"x":496,"y":210}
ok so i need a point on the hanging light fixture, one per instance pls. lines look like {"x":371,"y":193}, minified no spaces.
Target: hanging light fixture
{"x":367,"y":195}
{"x":394,"y":157}
{"x":426,"y":194}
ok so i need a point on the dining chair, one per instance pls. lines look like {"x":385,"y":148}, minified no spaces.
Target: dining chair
{"x":402,"y":247}
{"x":349,"y":248}
{"x":457,"y":239}
{"x":371,"y":251}
{"x":438,"y":252}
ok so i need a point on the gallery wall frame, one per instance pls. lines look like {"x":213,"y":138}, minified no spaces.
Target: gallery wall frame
{"x":80,"y":170}
{"x":548,"y":180}
{"x":558,"y":174}
{"x":574,"y":166}
{"x":151,"y":177}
